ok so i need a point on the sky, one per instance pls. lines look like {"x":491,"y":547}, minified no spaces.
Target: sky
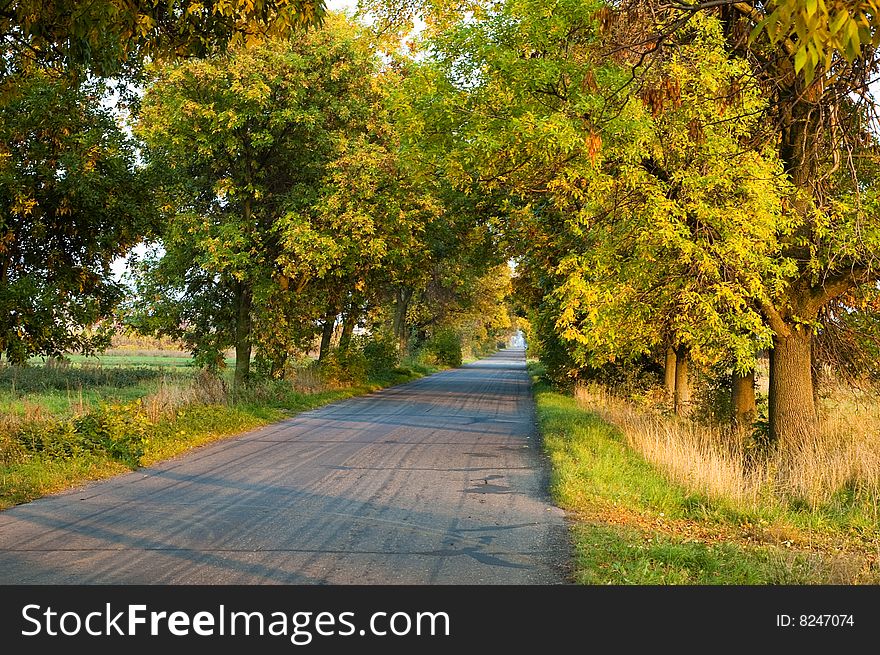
{"x":340,"y":5}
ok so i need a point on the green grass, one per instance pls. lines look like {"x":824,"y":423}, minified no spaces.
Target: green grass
{"x":129,"y":358}
{"x":66,"y":391}
{"x":623,"y":555}
{"x":631,"y":525}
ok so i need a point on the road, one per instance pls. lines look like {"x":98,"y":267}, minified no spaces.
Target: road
{"x":439,"y":481}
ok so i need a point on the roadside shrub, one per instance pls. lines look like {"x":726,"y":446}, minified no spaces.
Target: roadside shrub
{"x":208,"y":388}
{"x":117,"y":431}
{"x":444,"y":348}
{"x":380,"y":352}
{"x":11,"y":450}
{"x":120,"y":430}
{"x":342,"y":366}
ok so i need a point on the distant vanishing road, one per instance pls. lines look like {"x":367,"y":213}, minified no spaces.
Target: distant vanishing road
{"x":439,"y":481}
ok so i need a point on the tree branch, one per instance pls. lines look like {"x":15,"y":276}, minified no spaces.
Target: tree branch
{"x":774,"y":318}
{"x":836,"y":285}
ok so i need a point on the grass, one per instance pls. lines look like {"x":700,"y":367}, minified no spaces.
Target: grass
{"x":72,"y":389}
{"x":830,"y":479}
{"x":64,"y":426}
{"x":634,"y":523}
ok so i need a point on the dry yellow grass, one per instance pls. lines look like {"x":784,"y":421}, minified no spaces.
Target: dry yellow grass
{"x":843,"y":456}
{"x":205,"y":389}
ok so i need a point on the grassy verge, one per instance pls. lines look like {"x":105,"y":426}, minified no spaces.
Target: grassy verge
{"x":53,"y":446}
{"x":633,"y":525}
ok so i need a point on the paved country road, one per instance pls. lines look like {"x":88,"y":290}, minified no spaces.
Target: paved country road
{"x":439,"y":481}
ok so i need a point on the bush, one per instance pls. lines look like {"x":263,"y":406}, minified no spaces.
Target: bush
{"x":115,"y":431}
{"x":120,"y":430}
{"x":444,"y":348}
{"x":380,"y":351}
{"x":343,"y":366}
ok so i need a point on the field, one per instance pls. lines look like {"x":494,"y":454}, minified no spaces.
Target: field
{"x":654,"y":501}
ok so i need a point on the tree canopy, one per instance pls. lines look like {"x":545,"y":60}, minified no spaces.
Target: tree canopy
{"x":71,"y":202}
{"x":105,"y":35}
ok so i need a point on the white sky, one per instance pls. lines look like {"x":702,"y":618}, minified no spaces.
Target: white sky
{"x":341,"y":5}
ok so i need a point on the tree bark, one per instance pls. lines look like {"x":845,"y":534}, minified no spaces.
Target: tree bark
{"x":243,"y":306}
{"x":743,"y":399}
{"x":348,"y":324}
{"x":682,"y":383}
{"x":815,"y":375}
{"x":792,"y":407}
{"x":244,"y":300}
{"x":327,"y":334}
{"x":791,"y":399}
{"x":669,"y":373}
{"x":401,"y":304}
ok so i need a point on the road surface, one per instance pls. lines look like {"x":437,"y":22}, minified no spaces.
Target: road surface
{"x":439,"y":481}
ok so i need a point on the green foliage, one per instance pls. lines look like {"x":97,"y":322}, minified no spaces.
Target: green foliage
{"x":106,"y":35}
{"x":443,"y":347}
{"x":636,"y":221}
{"x":380,"y":352}
{"x":367,"y":357}
{"x":71,"y":201}
{"x":344,"y":366}
{"x":817,"y":33}
{"x":694,"y":196}
{"x":245,"y":144}
{"x":118,"y":432}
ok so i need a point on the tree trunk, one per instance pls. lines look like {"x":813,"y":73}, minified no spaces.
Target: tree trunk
{"x":348,"y":325}
{"x":815,"y":375}
{"x":327,"y":333}
{"x":682,"y":383}
{"x":792,"y":408}
{"x":669,"y":373}
{"x":243,"y":305}
{"x":401,"y":304}
{"x":743,"y":398}
{"x":244,"y":300}
{"x":278,"y":365}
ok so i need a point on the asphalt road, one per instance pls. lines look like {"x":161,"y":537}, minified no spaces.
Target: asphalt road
{"x":440,"y":481}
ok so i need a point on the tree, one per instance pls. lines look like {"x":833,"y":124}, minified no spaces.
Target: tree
{"x":547,"y":91}
{"x":72,"y":197}
{"x":815,"y":60}
{"x":245,"y":142}
{"x":71,"y":201}
{"x":644,"y":226}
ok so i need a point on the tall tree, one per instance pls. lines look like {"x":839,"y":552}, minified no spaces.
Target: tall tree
{"x":73,"y":199}
{"x":549,"y":89}
{"x":815,"y":60}
{"x":245,"y":142}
